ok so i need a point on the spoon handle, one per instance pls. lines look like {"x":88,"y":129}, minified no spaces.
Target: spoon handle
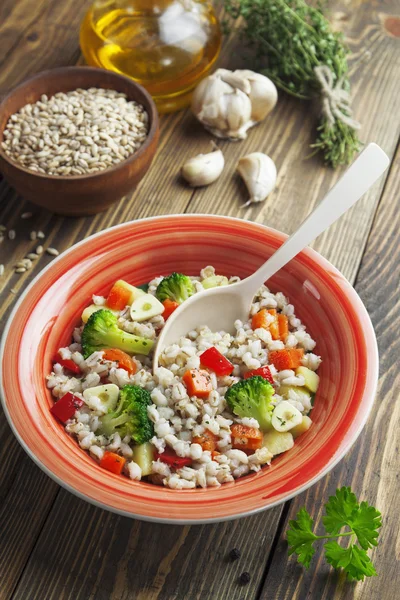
{"x":359,"y":177}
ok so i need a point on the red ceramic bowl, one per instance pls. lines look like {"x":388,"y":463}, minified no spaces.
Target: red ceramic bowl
{"x":44,"y":318}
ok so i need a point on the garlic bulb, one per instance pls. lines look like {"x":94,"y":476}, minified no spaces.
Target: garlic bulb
{"x":263,"y":94}
{"x":203,"y":169}
{"x":259,"y":174}
{"x":228,"y":103}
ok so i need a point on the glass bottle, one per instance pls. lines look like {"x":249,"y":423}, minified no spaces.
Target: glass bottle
{"x":165,"y":45}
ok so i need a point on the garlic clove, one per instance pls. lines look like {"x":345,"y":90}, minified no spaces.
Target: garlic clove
{"x":203,"y":169}
{"x":235,"y":80}
{"x":263,"y":93}
{"x":238,"y":114}
{"x":228,"y":103}
{"x":206,"y":102}
{"x":259,"y":174}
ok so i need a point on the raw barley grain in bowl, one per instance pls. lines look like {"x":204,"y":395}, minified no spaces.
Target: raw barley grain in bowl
{"x":219,"y":405}
{"x":76,"y":133}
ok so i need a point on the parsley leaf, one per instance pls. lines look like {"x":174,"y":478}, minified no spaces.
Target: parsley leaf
{"x":301,"y":537}
{"x":353,"y":560}
{"x":365,"y":524}
{"x":342,"y":510}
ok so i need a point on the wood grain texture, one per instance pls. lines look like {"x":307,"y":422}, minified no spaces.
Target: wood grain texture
{"x":85,"y":553}
{"x":104,"y":556}
{"x":372,"y":467}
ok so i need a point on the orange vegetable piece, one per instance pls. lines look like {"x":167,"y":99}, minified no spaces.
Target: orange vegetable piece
{"x":208,"y":441}
{"x":283,"y":325}
{"x":118,"y":297}
{"x":169,"y":307}
{"x":274,"y":326}
{"x":214,"y":454}
{"x":198,"y":383}
{"x":122,"y":358}
{"x":286,"y":359}
{"x":245,"y":438}
{"x":261,"y":319}
{"x":112,"y":462}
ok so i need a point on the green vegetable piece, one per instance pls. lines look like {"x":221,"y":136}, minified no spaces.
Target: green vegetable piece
{"x":130,"y":417}
{"x":143,"y":455}
{"x":214,"y":281}
{"x":176,"y":287}
{"x":252,"y":398}
{"x":102,"y":331}
{"x":342,"y":510}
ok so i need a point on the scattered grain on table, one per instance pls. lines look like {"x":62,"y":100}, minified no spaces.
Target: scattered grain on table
{"x":39,"y":250}
{"x":40,"y":235}
{"x":11,"y":234}
{"x":33,"y":235}
{"x":52,"y":251}
{"x":1,"y":270}
{"x":32,"y":255}
{"x":26,"y":215}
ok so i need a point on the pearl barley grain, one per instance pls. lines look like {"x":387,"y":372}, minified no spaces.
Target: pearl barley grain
{"x":75,"y":133}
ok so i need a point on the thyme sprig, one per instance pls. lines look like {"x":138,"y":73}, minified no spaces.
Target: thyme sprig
{"x":290,"y":38}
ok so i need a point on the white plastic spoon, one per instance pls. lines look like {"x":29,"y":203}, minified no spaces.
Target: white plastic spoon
{"x":220,"y":307}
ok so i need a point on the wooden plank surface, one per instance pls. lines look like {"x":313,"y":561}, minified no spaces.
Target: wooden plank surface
{"x":372,"y":467}
{"x":56,"y":546}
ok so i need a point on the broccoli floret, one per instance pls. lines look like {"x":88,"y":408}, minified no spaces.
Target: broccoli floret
{"x":252,"y":398}
{"x":176,"y":287}
{"x":130,"y":417}
{"x":102,"y":331}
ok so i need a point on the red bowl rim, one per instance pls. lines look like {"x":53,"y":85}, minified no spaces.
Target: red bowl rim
{"x":368,"y":394}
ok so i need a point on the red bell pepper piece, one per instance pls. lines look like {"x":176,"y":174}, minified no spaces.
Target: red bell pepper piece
{"x":169,"y":307}
{"x":169,"y":457}
{"x":286,"y":358}
{"x":214,"y":360}
{"x":68,"y":364}
{"x":64,"y":409}
{"x":262,"y":372}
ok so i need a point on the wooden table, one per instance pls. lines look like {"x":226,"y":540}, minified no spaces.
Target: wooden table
{"x":53,"y":545}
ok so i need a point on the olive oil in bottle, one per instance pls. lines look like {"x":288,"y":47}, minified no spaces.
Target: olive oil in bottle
{"x":165,"y":45}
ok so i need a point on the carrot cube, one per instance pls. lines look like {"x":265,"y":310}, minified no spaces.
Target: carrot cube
{"x":198,"y":383}
{"x":112,"y":462}
{"x":283,"y":325}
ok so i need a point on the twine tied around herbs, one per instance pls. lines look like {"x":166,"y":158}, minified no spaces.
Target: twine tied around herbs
{"x":335,"y":99}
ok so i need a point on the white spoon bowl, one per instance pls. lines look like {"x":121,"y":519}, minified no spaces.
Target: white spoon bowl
{"x":219,"y":307}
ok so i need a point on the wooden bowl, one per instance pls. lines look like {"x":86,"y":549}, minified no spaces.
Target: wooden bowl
{"x":78,"y":194}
